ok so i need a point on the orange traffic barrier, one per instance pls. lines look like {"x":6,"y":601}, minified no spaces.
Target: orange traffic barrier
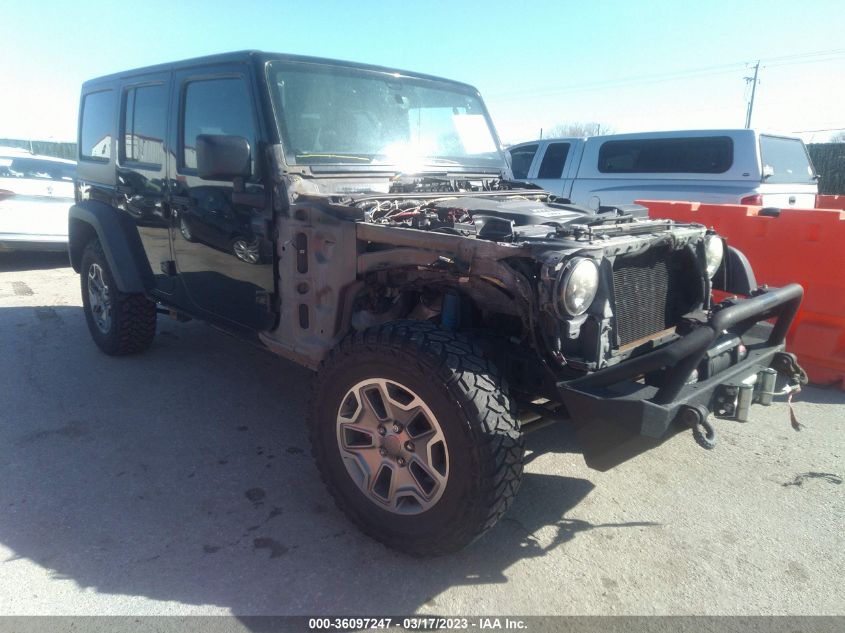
{"x":830,"y":202}
{"x":798,"y":245}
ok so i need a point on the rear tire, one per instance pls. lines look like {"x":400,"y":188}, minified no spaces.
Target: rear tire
{"x":440,"y":384}
{"x":120,"y":323}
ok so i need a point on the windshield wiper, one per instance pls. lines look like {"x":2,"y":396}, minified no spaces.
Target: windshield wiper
{"x":365,"y":159}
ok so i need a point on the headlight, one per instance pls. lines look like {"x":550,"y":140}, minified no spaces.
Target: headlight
{"x":578,"y":286}
{"x":714,"y":252}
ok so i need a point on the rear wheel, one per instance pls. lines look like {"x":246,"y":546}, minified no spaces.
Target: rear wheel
{"x":120,"y":323}
{"x":415,"y":436}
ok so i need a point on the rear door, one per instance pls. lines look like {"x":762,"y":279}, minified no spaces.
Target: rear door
{"x":222,"y":248}
{"x":142,"y":164}
{"x":789,"y":179}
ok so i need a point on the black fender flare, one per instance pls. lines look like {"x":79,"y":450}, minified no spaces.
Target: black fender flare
{"x":119,"y":239}
{"x":735,"y":275}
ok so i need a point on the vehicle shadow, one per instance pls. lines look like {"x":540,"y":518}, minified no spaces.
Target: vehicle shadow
{"x":184,"y":475}
{"x":15,"y":261}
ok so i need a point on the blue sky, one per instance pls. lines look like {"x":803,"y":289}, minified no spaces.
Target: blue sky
{"x":633,"y":66}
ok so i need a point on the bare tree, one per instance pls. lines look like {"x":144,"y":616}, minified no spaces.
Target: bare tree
{"x":839,"y":137}
{"x":577,"y":129}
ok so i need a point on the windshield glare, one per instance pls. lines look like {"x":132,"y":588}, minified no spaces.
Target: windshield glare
{"x":330,"y":115}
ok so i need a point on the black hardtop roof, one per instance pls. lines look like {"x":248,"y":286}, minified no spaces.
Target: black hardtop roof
{"x":251,"y":56}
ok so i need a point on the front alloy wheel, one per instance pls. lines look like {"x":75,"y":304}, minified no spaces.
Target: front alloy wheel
{"x":392,"y":446}
{"x":415,"y":436}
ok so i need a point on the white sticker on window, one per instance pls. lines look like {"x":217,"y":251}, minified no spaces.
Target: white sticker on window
{"x":474,"y":133}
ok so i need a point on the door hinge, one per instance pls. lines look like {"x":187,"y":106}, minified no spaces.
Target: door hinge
{"x":169,"y":268}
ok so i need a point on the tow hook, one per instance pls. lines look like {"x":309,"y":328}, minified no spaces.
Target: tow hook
{"x":786,"y":364}
{"x":695,"y":417}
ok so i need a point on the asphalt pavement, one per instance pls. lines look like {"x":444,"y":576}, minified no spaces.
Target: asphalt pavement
{"x":180,"y":482}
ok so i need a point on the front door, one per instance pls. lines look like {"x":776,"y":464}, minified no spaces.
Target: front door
{"x":223,"y":249}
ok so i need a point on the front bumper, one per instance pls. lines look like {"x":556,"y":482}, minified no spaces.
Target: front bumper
{"x":619,"y":414}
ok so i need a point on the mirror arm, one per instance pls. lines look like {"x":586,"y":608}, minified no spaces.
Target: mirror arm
{"x":241,"y":196}
{"x":254,"y":200}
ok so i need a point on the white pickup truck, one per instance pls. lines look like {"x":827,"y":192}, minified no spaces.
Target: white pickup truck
{"x":717,"y":166}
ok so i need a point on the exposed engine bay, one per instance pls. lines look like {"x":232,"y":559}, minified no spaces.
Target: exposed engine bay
{"x":584,"y":287}
{"x":497,"y":215}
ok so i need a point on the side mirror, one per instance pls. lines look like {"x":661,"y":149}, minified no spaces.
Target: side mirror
{"x":223,"y":157}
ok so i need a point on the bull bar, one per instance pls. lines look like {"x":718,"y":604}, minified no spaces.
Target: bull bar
{"x":617,"y":416}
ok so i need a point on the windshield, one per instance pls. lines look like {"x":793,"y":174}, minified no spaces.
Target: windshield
{"x":333,"y":115}
{"x":785,"y":160}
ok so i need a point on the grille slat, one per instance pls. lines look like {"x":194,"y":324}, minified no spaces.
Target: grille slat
{"x":652,"y":291}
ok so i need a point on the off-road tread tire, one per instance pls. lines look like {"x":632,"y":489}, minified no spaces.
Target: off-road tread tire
{"x":133,"y":315}
{"x":458,"y":364}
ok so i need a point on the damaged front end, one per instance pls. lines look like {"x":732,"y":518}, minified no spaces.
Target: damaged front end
{"x":604,"y":316}
{"x":722,"y":362}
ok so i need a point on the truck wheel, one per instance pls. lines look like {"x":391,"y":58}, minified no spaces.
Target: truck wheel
{"x":415,"y":437}
{"x":120,"y":323}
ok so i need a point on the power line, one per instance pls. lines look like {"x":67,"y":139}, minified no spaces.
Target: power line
{"x":783,"y":60}
{"x":830,"y":129}
{"x":609,"y":83}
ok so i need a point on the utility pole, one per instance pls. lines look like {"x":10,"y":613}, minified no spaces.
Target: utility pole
{"x":753,"y":81}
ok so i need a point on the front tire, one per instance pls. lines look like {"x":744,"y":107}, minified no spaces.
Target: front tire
{"x":415,"y":436}
{"x":120,"y":323}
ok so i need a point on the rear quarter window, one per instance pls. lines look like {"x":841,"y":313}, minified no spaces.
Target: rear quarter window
{"x":785,"y":160}
{"x":95,"y":130}
{"x":697,"y":155}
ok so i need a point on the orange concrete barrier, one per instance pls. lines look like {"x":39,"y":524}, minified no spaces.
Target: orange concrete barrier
{"x":800,"y":245}
{"x":830,"y":202}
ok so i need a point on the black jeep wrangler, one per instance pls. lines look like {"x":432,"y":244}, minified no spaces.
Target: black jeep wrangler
{"x":360,"y":221}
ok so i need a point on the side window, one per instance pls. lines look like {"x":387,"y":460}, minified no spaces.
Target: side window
{"x":702,"y":155}
{"x":95,"y":133}
{"x":521,"y":158}
{"x":215,"y":106}
{"x":554,"y":160}
{"x":144,"y":119}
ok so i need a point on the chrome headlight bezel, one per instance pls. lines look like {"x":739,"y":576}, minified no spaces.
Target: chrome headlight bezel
{"x":577,"y":286}
{"x":714,"y":253}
